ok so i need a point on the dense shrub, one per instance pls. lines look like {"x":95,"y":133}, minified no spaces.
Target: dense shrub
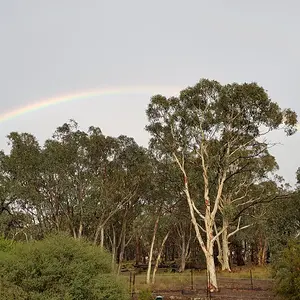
{"x":59,"y":268}
{"x":9,"y":291}
{"x":5,"y":245}
{"x":145,"y":295}
{"x":287,"y":271}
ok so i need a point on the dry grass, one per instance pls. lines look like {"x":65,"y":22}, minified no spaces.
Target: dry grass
{"x":244,"y":272}
{"x":168,"y":281}
{"x":180,"y":281}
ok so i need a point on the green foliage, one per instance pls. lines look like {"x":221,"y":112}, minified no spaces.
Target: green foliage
{"x":59,"y":267}
{"x":211,"y":138}
{"x":5,"y":245}
{"x":106,"y":288}
{"x":287,"y":271}
{"x":216,"y":135}
{"x":282,"y":221}
{"x":145,"y":295}
{"x":10,"y":291}
{"x":77,"y":181}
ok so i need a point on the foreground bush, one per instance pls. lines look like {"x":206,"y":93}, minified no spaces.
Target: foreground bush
{"x":287,"y":271}
{"x":58,"y":268}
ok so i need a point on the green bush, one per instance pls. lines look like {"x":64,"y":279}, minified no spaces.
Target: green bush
{"x":5,"y":245}
{"x":145,"y":295}
{"x":287,"y":271}
{"x":9,"y":291}
{"x":59,"y":268}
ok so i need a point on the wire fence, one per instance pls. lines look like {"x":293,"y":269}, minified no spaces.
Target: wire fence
{"x":192,"y":285}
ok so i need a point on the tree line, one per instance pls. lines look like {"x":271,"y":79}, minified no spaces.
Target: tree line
{"x":204,"y":193}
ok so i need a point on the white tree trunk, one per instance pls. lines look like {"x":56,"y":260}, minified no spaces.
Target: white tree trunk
{"x":223,"y":247}
{"x":122,"y":250}
{"x":97,"y":233}
{"x":209,"y":254}
{"x":183,"y":254}
{"x":220,"y":252}
{"x":102,"y":237}
{"x":185,"y":250}
{"x":151,"y":251}
{"x":159,"y":256}
{"x":207,"y":249}
{"x":211,"y":271}
{"x":225,"y":251}
{"x":208,"y":217}
{"x":74,"y":233}
{"x":225,"y":243}
{"x":80,"y":230}
{"x":113,"y":248}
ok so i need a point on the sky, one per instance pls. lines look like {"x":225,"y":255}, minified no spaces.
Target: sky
{"x":57,"y":47}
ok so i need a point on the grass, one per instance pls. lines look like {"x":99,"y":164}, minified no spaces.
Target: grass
{"x":166,"y":281}
{"x":180,"y":281}
{"x":244,"y":272}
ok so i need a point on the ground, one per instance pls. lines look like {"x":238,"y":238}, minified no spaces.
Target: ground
{"x":192,"y":285}
{"x":229,"y":289}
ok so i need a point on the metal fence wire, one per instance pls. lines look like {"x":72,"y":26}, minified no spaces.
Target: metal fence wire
{"x":192,"y":285}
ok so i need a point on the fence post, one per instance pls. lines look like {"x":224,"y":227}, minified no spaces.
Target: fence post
{"x":251,"y":279}
{"x":192,"y":279}
{"x":130,"y":281}
{"x":133,"y":284}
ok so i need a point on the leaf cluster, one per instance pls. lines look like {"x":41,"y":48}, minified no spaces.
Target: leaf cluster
{"x":59,"y":267}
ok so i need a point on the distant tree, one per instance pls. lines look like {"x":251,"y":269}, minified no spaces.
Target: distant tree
{"x":77,"y":182}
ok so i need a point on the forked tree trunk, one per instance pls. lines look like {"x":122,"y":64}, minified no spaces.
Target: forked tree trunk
{"x":224,"y":251}
{"x":159,"y":256}
{"x":151,"y":251}
{"x":184,"y":249}
{"x":208,"y":218}
{"x":208,"y":248}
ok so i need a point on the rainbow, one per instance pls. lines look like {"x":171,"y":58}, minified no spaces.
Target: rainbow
{"x":125,"y":90}
{"x":44,"y":103}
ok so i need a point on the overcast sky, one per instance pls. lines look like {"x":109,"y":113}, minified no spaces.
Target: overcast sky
{"x":50,"y":48}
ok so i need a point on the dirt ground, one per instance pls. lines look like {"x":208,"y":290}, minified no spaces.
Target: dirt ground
{"x":229,"y":289}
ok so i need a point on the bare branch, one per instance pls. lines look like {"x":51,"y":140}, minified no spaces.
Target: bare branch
{"x":218,"y":234}
{"x":238,"y":228}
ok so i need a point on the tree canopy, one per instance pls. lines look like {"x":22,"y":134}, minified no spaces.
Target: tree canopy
{"x":204,"y":194}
